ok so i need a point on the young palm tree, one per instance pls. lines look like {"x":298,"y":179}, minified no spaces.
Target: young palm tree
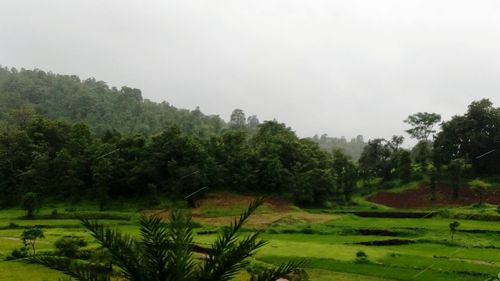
{"x":165,"y":252}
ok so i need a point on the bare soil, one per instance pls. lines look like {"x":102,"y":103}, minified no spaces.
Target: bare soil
{"x":421,"y":197}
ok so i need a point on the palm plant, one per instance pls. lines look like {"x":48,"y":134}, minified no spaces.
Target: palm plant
{"x":165,"y":252}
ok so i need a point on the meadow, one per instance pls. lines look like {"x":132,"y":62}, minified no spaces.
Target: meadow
{"x":329,"y":239}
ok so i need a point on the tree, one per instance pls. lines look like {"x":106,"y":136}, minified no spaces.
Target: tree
{"x":30,"y":235}
{"x":30,"y":203}
{"x":433,"y":177}
{"x":404,"y":166}
{"x":165,"y":252}
{"x":253,"y":123}
{"x":453,"y":228}
{"x":345,"y":173}
{"x":377,"y":159}
{"x":422,"y":124}
{"x":480,"y":187}
{"x":456,"y":168}
{"x":237,"y":119}
{"x":422,"y":153}
{"x":474,"y":136}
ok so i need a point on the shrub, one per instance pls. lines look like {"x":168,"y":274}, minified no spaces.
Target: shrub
{"x":13,"y":225}
{"x":18,"y":254}
{"x":361,"y":257}
{"x":54,"y":213}
{"x":69,"y":246}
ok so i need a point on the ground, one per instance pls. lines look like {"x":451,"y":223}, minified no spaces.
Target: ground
{"x":397,"y":248}
{"x":421,"y":197}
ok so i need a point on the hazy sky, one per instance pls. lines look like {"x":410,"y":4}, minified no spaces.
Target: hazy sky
{"x":337,"y":67}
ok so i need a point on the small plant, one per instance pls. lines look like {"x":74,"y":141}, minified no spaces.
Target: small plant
{"x":361,"y":257}
{"x":69,"y":246}
{"x":453,"y":228}
{"x":54,"y":213}
{"x":29,"y":237}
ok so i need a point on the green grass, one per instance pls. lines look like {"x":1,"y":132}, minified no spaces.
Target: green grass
{"x":329,"y":247}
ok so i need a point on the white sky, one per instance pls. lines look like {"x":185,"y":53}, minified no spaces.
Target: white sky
{"x":321,"y":66}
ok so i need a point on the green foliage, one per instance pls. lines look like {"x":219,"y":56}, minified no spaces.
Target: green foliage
{"x":456,"y":169}
{"x":480,"y":187}
{"x":166,"y":252}
{"x":30,"y":203}
{"x":453,"y":228}
{"x":69,"y":246}
{"x":29,"y":237}
{"x":93,"y":102}
{"x":20,"y":253}
{"x":474,"y":136}
{"x":422,"y":124}
{"x":361,"y":257}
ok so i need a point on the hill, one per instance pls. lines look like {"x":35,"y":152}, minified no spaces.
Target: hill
{"x":90,"y":101}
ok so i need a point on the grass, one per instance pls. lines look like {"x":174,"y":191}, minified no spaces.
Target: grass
{"x":326,"y":239}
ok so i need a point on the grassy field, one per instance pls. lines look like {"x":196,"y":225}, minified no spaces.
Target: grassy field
{"x":396,"y":248}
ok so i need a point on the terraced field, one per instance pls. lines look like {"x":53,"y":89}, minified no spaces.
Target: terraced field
{"x":395,"y":248}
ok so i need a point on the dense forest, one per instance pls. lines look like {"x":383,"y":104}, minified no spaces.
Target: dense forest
{"x":62,"y":137}
{"x":93,"y":102}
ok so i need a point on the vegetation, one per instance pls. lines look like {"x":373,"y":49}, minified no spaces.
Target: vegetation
{"x":88,"y":151}
{"x":29,"y":237}
{"x":30,"y":203}
{"x":480,"y":187}
{"x":165,"y":252}
{"x":453,"y":228}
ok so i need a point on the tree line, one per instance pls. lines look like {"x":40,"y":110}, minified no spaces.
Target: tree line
{"x":55,"y":146}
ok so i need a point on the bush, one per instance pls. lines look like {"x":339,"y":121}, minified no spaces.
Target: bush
{"x":13,"y":225}
{"x":69,"y":246}
{"x":18,"y":254}
{"x":361,"y":257}
{"x":54,"y":213}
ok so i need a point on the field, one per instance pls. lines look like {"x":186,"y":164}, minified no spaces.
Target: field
{"x":410,"y":247}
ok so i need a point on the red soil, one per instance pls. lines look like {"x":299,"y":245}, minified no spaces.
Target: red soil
{"x":421,"y":197}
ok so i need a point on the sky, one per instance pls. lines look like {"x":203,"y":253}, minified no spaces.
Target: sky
{"x":321,"y":66}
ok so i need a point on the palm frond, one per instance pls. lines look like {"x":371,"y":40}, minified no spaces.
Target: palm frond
{"x":155,"y":244}
{"x":181,"y":264}
{"x":79,"y":270}
{"x":124,"y":250}
{"x":275,"y":273}
{"x":227,"y":255}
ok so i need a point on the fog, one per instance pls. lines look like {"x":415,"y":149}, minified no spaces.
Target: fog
{"x":337,"y":67}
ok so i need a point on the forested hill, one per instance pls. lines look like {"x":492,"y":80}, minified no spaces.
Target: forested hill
{"x":353,"y":148}
{"x":103,"y":108}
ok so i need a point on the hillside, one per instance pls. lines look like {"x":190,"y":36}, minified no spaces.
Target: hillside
{"x":90,"y":101}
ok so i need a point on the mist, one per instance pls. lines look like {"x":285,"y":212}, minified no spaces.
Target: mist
{"x":338,"y":67}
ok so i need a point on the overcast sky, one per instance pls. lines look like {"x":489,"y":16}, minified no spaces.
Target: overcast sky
{"x":337,"y":67}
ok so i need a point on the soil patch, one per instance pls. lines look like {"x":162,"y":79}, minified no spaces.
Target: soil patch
{"x":421,"y":197}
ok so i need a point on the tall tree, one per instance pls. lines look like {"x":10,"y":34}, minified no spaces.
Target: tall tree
{"x":474,"y":136}
{"x":422,"y":124}
{"x":237,"y":119}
